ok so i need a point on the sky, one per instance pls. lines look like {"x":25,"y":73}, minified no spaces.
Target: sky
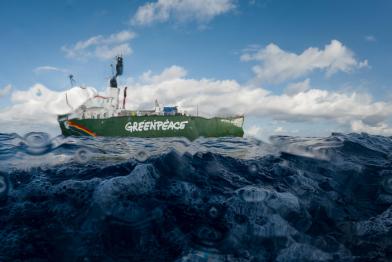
{"x":299,"y":68}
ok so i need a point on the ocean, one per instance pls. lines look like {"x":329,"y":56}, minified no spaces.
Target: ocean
{"x":224,"y":199}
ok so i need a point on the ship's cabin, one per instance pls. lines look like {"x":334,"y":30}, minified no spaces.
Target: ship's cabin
{"x":101,"y":107}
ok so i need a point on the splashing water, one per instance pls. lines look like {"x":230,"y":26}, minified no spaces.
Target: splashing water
{"x":226,"y":199}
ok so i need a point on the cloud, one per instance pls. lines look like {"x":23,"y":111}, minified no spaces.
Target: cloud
{"x":36,"y":109}
{"x":212,"y":97}
{"x":5,"y":90}
{"x":216,"y":96}
{"x":276,"y":65}
{"x":370,"y":38}
{"x":379,"y":129}
{"x":300,"y":87}
{"x":101,"y":47}
{"x":167,"y":74}
{"x":279,"y":129}
{"x":201,"y":11}
{"x":43,"y":69}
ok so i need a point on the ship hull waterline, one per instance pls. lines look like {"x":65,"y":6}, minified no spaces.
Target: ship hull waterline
{"x":190,"y":127}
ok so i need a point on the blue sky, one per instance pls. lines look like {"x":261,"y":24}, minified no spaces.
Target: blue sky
{"x":207,"y":45}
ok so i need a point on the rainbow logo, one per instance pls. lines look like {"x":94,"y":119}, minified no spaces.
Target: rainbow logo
{"x":81,"y":128}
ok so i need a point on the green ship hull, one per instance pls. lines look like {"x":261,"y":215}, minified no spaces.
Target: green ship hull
{"x":190,"y":127}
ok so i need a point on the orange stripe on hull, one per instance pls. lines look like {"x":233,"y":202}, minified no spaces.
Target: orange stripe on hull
{"x":82,"y":128}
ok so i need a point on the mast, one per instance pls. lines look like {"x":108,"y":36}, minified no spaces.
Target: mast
{"x":114,"y":91}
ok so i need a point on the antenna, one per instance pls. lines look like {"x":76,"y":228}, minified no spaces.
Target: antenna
{"x":72,"y":80}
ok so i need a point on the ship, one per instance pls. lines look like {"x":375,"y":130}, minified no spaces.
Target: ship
{"x":104,"y":116}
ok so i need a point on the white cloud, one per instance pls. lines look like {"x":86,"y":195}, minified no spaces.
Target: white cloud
{"x":219,"y":97}
{"x":277,"y":65}
{"x":37,"y":108}
{"x":213,"y":97}
{"x":42,"y":69}
{"x":201,"y":11}
{"x":167,"y":74}
{"x":279,"y":129}
{"x":295,"y":88}
{"x":381,"y":128}
{"x":5,"y":90}
{"x":101,"y":47}
{"x":370,"y":38}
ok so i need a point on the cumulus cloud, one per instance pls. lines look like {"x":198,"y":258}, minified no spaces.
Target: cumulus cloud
{"x":5,"y":90}
{"x":101,"y":47}
{"x":276,"y":65}
{"x":201,"y":11}
{"x":295,"y":88}
{"x":214,"y":97}
{"x":223,"y":97}
{"x":381,"y":128}
{"x":43,"y":69}
{"x":173,"y":72}
{"x":36,"y":109}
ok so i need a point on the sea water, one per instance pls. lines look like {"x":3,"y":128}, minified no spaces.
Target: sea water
{"x":169,"y":199}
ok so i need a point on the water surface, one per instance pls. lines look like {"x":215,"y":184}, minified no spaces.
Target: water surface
{"x":227,"y":199}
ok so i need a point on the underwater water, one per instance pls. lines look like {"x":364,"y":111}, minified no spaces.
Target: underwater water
{"x":227,"y":199}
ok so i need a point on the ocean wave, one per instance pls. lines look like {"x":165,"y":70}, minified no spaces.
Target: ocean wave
{"x":169,"y":199}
